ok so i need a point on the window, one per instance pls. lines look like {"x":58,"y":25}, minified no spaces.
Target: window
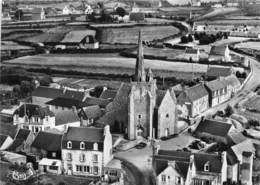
{"x":69,"y":157}
{"x":56,"y":107}
{"x":53,"y":154}
{"x":53,"y":167}
{"x":82,"y":145}
{"x":95,"y":146}
{"x":206,"y":167}
{"x":82,"y":158}
{"x":139,"y":116}
{"x":95,"y":158}
{"x":79,"y":168}
{"x":36,"y":119}
{"x":36,"y":129}
{"x":16,"y":117}
{"x":26,"y":119}
{"x":69,"y":145}
{"x":62,"y":108}
{"x":167,"y":115}
{"x":95,"y":170}
{"x":178,"y":180}
{"x":47,"y":118}
{"x":163,"y":178}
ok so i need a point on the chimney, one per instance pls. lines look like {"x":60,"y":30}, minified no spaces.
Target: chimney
{"x":223,"y":156}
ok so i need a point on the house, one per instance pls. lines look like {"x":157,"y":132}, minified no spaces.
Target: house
{"x":219,"y":53}
{"x":216,"y":72}
{"x":137,"y":16}
{"x":178,"y":167}
{"x":70,"y":9}
{"x":13,"y":158}
{"x":213,"y":130}
{"x":219,"y":91}
{"x":177,"y":89}
{"x":42,"y":94}
{"x":245,"y":146}
{"x":33,"y":117}
{"x":114,"y":173}
{"x":50,"y":166}
{"x":86,"y":150}
{"x":194,"y":99}
{"x":5,"y":142}
{"x":22,"y":141}
{"x":47,"y":145}
{"x":62,"y":103}
{"x":196,"y":3}
{"x":38,"y":14}
{"x":139,"y":109}
{"x":66,"y":119}
{"x":192,"y":54}
{"x":234,"y":84}
{"x":90,"y":114}
{"x":246,"y":171}
{"x":102,"y":103}
{"x":84,"y":39}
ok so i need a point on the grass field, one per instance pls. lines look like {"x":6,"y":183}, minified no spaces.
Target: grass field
{"x":249,"y":45}
{"x":253,"y":103}
{"x":130,"y":34}
{"x":106,"y":64}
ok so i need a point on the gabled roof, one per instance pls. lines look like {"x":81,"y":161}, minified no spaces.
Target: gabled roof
{"x":65,"y":117}
{"x":108,"y":94}
{"x":33,"y":110}
{"x":213,"y":127}
{"x":246,"y":145}
{"x":22,"y":134}
{"x":216,"y":84}
{"x":231,"y":157}
{"x":219,"y":71}
{"x":87,"y":134}
{"x":160,"y":96}
{"x":193,"y":93}
{"x":66,"y":102}
{"x":78,"y":36}
{"x":97,"y":101}
{"x":47,"y":141}
{"x":2,"y":139}
{"x":91,"y":112}
{"x":51,"y":93}
{"x":218,"y":50}
{"x":182,"y":168}
{"x":237,"y":137}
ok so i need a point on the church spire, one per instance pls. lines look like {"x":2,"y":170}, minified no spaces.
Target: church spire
{"x":139,"y":67}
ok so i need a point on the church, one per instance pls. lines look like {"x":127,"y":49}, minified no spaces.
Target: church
{"x":140,"y":109}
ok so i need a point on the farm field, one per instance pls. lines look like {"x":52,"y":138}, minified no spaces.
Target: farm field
{"x":249,"y":45}
{"x":233,"y":22}
{"x":130,"y":34}
{"x":107,"y":65}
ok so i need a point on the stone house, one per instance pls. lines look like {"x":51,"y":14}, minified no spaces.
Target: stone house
{"x":38,"y":14}
{"x":217,"y":131}
{"x":219,"y":53}
{"x":192,"y":54}
{"x":195,"y":99}
{"x":33,"y":117}
{"x":137,"y":109}
{"x":219,"y":91}
{"x":178,"y":167}
{"x":22,"y":141}
{"x":216,"y":72}
{"x":114,"y":172}
{"x":47,"y":145}
{"x":86,"y":150}
{"x":88,"y":115}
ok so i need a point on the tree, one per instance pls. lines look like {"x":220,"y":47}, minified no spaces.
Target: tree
{"x":45,"y":81}
{"x":18,"y":14}
{"x":190,"y":38}
{"x":26,"y":87}
{"x":253,"y":123}
{"x":196,"y":36}
{"x":120,"y":11}
{"x":229,"y":111}
{"x":184,"y":39}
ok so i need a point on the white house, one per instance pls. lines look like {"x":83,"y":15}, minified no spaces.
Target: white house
{"x":86,"y":150}
{"x":219,"y":53}
{"x":33,"y":117}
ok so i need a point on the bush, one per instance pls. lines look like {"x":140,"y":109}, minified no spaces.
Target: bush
{"x":184,"y":39}
{"x":229,"y":111}
{"x":253,"y":123}
{"x":45,"y":81}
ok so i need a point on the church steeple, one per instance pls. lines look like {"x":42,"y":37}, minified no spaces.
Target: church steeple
{"x":139,"y":66}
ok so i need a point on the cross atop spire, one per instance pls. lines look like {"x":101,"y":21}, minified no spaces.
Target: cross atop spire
{"x":139,"y":66}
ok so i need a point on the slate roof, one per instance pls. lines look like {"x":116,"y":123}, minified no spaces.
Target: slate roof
{"x":108,"y":94}
{"x":216,"y":84}
{"x":2,"y":139}
{"x":78,"y":36}
{"x":51,"y":93}
{"x":231,"y":157}
{"x":218,"y":50}
{"x":246,"y":145}
{"x":65,"y":117}
{"x":213,"y":127}
{"x":181,"y":157}
{"x":97,"y":101}
{"x":20,"y":138}
{"x":47,"y":141}
{"x":182,"y":168}
{"x":33,"y":110}
{"x":219,"y":71}
{"x":88,"y":134}
{"x":160,"y":95}
{"x":66,"y":102}
{"x":91,"y":112}
{"x":237,"y":137}
{"x":193,"y":93}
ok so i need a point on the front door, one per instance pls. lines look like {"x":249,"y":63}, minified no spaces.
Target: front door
{"x":167,"y":132}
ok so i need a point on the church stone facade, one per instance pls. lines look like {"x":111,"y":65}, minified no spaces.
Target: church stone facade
{"x":139,"y":108}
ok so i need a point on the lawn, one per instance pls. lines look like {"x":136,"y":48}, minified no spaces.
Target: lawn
{"x":249,"y":45}
{"x":130,"y":34}
{"x":107,"y":65}
{"x":253,"y":103}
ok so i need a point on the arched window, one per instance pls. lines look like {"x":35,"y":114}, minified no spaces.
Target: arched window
{"x":95,"y":146}
{"x":206,"y":166}
{"x":69,"y":144}
{"x":82,"y":145}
